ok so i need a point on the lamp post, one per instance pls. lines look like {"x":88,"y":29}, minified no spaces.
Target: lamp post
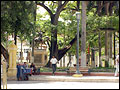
{"x":78,"y":20}
{"x":60,"y":43}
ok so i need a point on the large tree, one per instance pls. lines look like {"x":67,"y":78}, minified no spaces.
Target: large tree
{"x":56,"y":7}
{"x":54,"y":15}
{"x":16,"y":20}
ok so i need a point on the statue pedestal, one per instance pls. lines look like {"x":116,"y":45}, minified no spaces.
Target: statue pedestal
{"x":12,"y":72}
{"x":40,"y":57}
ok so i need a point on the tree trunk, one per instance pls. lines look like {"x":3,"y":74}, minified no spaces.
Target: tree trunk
{"x":110,"y":13}
{"x":15,"y":36}
{"x":54,"y":47}
{"x":34,"y":33}
{"x":107,"y":33}
{"x":5,"y":53}
{"x":114,"y":47}
{"x":107,"y":7}
{"x":54,"y":21}
{"x":21,"y":56}
{"x":106,"y":45}
{"x":110,"y":47}
{"x":62,"y":52}
{"x":99,"y":7}
{"x":83,"y":36}
{"x":64,"y":46}
{"x":99,"y":49}
{"x":69,"y":63}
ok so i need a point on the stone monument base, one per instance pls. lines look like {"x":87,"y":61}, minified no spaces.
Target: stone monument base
{"x":12,"y":72}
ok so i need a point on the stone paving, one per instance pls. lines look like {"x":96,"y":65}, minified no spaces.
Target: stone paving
{"x":74,"y":79}
{"x":63,"y":77}
{"x":60,"y":85}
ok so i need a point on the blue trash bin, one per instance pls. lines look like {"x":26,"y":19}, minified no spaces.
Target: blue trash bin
{"x":24,"y":74}
{"x":21,"y":73}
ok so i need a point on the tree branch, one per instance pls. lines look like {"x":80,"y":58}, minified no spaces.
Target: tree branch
{"x":48,"y":43}
{"x":110,"y":29}
{"x":45,"y":7}
{"x":117,"y":36}
{"x":62,"y":52}
{"x":60,"y":7}
{"x":5,"y":53}
{"x":100,"y":5}
{"x":59,"y":3}
{"x":78,"y":5}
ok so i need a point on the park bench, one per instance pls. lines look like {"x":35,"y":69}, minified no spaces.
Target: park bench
{"x":81,"y":69}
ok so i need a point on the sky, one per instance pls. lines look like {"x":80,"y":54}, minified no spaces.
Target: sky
{"x":41,"y":10}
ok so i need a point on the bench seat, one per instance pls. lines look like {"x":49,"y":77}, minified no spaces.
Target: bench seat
{"x":81,"y":69}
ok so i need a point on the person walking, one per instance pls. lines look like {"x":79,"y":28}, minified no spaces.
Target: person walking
{"x":54,"y":62}
{"x":117,"y":65}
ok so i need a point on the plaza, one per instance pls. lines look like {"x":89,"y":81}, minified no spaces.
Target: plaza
{"x":59,"y":44}
{"x":59,"y":82}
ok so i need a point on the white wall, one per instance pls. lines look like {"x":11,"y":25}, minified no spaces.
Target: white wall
{"x":73,"y":61}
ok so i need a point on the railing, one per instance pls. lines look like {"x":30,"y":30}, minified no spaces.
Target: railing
{"x":3,"y":75}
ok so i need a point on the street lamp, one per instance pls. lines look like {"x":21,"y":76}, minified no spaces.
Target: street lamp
{"x":78,"y":20}
{"x":60,"y":43}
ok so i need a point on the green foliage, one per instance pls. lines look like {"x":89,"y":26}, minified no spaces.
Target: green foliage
{"x":17,"y":16}
{"x":102,"y":69}
{"x":96,"y":22}
{"x":44,"y":69}
{"x":68,"y":26}
{"x":106,"y":63}
{"x":59,"y":69}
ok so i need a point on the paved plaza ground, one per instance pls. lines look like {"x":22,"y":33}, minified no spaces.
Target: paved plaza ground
{"x":65,"y":82}
{"x":60,"y":85}
{"x":74,"y":79}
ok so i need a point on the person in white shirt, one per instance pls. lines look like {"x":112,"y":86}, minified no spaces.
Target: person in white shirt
{"x":54,"y":62}
{"x":117,"y":65}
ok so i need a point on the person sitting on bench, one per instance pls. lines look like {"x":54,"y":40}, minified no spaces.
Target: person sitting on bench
{"x":33,"y":68}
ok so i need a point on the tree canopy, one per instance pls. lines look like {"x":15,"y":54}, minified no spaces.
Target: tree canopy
{"x":18,"y":18}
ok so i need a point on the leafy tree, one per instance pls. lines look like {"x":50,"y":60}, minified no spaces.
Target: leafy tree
{"x":55,"y":10}
{"x":16,"y":18}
